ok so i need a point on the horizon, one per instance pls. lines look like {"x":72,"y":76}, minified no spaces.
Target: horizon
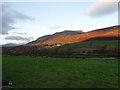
{"x":60,"y":32}
{"x":27,"y":21}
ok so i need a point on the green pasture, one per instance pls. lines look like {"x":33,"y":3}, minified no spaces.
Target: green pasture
{"x":50,"y":72}
{"x":95,"y":44}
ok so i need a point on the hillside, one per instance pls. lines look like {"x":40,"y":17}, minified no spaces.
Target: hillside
{"x":10,"y":45}
{"x":93,"y":44}
{"x":68,"y":36}
{"x":57,"y":37}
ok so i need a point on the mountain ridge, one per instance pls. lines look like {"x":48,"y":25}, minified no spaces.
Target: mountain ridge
{"x":69,"y":36}
{"x":11,"y":45}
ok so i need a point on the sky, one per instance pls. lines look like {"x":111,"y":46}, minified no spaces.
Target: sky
{"x":23,"y":22}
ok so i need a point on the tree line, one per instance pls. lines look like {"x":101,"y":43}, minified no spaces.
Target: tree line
{"x":60,"y":51}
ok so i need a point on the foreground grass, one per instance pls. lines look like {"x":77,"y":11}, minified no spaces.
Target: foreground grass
{"x":39,"y":72}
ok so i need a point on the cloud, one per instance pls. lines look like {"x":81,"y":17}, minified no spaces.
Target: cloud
{"x":20,"y":15}
{"x":22,"y":33}
{"x":19,"y":33}
{"x":19,"y":38}
{"x":56,"y":27}
{"x":103,"y":7}
{"x":9,"y":17}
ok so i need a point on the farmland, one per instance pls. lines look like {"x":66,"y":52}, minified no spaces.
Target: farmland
{"x":51,"y":72}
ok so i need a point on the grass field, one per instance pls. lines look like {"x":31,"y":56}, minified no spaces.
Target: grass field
{"x":95,"y":44}
{"x":41,"y":72}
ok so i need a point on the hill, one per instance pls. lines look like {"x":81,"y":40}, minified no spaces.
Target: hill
{"x":11,"y":45}
{"x":69,"y":36}
{"x":58,"y":37}
{"x":93,"y":44}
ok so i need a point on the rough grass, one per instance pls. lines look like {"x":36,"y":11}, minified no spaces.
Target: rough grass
{"x":95,"y":44}
{"x":39,"y":72}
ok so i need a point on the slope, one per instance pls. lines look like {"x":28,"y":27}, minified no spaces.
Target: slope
{"x":66,"y":37}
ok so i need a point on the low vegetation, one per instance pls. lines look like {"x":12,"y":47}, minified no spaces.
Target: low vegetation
{"x":50,"y":72}
{"x":95,"y":44}
{"x":81,"y":49}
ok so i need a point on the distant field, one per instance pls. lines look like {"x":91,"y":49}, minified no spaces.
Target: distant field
{"x":47,"y":72}
{"x":95,"y":44}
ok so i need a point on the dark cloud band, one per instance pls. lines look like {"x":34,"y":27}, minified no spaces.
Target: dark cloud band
{"x":19,"y":38}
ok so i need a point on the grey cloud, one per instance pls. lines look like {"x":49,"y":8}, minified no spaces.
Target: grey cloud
{"x":8,"y":17}
{"x":19,"y":33}
{"x":21,"y":16}
{"x":22,"y":33}
{"x":19,"y":38}
{"x":103,"y":7}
